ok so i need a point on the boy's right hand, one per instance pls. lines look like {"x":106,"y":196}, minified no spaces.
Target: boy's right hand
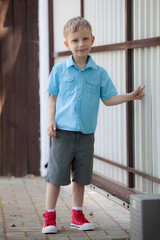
{"x":51,"y":129}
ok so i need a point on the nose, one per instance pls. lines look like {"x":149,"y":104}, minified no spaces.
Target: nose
{"x":81,"y":42}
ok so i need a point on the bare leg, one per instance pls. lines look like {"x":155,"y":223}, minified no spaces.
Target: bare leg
{"x":77,"y":194}
{"x":52,"y":194}
{"x":78,"y":219}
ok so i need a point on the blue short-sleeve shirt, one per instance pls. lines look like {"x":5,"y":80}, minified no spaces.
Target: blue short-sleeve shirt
{"x":78,"y":93}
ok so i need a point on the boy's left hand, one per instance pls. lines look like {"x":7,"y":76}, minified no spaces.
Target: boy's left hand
{"x":138,"y":94}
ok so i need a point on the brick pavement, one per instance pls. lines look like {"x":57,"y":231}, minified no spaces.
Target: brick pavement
{"x":22,"y":203}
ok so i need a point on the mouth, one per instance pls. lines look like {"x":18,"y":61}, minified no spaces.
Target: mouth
{"x":81,"y":50}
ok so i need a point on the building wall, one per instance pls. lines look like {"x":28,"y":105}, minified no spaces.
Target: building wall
{"x":146,"y":24}
{"x":108,"y":20}
{"x":19,"y":88}
{"x":71,"y":8}
{"x":110,"y":136}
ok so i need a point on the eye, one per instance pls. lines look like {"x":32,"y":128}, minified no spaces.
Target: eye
{"x":86,"y":38}
{"x":74,"y":40}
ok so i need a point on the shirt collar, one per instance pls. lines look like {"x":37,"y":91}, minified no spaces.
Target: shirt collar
{"x":90,"y":64}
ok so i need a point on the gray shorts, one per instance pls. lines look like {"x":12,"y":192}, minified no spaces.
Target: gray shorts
{"x":71,"y":156}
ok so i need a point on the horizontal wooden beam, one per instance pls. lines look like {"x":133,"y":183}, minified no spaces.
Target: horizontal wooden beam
{"x":62,"y":54}
{"x":109,"y":47}
{"x":129,"y":169}
{"x":142,"y":43}
{"x":112,"y":187}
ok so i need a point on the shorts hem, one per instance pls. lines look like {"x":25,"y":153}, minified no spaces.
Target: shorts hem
{"x":58,"y":183}
{"x":82,"y":183}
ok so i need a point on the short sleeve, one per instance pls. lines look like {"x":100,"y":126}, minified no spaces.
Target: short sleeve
{"x":107,"y":89}
{"x":52,"y":86}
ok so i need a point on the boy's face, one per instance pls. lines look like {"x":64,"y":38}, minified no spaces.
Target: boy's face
{"x":79,"y":43}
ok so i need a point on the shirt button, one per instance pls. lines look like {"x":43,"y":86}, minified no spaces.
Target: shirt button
{"x":78,"y":99}
{"x":79,"y":86}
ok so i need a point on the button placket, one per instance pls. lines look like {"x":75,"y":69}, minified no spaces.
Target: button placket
{"x":79,"y":93}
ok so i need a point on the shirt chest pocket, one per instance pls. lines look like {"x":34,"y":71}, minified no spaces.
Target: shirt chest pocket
{"x":67,"y":84}
{"x":92,"y":86}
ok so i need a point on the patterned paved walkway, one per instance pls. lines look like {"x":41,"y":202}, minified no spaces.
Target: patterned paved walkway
{"x":22,"y":203}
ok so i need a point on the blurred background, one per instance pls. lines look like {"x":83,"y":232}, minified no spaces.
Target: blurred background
{"x":127,"y":45}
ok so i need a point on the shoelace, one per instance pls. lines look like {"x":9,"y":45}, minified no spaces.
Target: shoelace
{"x":80,"y":217}
{"x":49,"y":218}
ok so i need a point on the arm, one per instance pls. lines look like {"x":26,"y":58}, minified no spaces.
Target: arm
{"x":51,"y":115}
{"x":118,"y":99}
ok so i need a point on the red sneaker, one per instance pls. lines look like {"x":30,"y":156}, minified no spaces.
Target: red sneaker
{"x":50,"y":222}
{"x":79,"y":221}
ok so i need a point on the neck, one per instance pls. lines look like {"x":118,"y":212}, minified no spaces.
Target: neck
{"x":81,"y":62}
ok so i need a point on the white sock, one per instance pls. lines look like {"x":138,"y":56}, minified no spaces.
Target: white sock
{"x":51,"y":210}
{"x":77,"y":208}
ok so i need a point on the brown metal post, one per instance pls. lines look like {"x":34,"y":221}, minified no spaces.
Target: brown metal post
{"x":1,"y":101}
{"x":82,"y":8}
{"x":51,"y":34}
{"x":129,"y":105}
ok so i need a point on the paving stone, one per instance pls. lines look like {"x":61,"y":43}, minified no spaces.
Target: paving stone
{"x":22,"y":204}
{"x":57,"y":237}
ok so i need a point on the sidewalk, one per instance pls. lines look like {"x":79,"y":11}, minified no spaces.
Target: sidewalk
{"x":22,"y":203}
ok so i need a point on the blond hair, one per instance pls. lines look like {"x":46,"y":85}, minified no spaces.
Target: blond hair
{"x":75,"y":24}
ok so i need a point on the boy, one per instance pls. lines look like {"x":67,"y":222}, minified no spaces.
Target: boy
{"x":75,"y":87}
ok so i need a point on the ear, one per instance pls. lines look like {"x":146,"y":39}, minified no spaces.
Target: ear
{"x":66,"y":44}
{"x":93,"y":38}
